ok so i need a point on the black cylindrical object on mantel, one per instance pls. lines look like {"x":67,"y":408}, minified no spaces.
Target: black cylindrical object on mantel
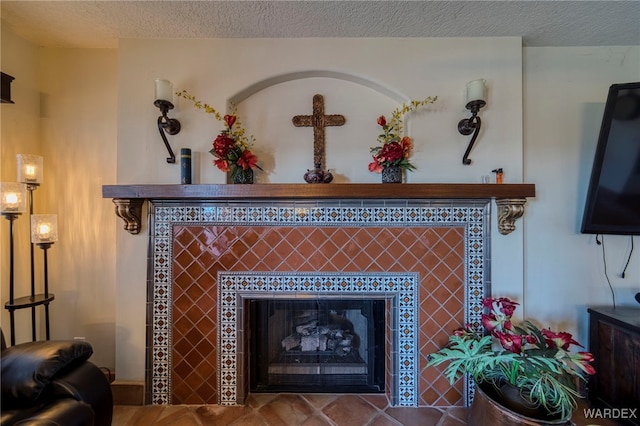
{"x":185,"y":166}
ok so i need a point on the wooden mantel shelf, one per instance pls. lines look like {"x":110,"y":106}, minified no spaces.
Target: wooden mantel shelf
{"x":314,"y":191}
{"x":510,"y":198}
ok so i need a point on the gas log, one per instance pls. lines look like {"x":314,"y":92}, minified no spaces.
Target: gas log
{"x":334,"y":336}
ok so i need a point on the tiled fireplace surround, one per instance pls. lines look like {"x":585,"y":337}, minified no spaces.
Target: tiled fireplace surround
{"x":428,"y":258}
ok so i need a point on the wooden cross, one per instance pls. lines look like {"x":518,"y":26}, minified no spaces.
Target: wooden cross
{"x":318,"y":121}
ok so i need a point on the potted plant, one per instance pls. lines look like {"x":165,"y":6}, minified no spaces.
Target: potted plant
{"x":231,"y":148}
{"x":391,"y":155}
{"x":519,"y":367}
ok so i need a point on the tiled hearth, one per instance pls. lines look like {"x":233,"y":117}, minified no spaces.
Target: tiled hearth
{"x":197,"y":352}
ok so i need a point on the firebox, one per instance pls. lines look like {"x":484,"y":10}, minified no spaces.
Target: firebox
{"x":319,"y":345}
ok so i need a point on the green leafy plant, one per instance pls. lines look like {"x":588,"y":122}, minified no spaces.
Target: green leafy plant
{"x":537,"y":362}
{"x":394,"y":149}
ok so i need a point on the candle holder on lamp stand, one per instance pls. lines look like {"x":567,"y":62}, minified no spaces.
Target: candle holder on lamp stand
{"x":12,"y":204}
{"x":11,"y":217}
{"x":44,"y":232}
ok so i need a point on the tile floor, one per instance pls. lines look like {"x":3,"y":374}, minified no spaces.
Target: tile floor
{"x":303,"y":410}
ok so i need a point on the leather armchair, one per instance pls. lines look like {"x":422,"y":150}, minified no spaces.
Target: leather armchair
{"x":52,"y":383}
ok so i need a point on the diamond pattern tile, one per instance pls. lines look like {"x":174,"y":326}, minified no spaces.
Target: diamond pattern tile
{"x":199,"y":252}
{"x":191,"y":244}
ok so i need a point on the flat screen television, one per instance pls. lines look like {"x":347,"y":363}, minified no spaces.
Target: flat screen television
{"x":613,"y":197}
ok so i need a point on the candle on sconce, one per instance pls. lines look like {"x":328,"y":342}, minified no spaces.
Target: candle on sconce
{"x":164,"y":90}
{"x":12,"y":197}
{"x":30,"y":172}
{"x":29,"y":168}
{"x":476,"y":90}
{"x":44,"y":228}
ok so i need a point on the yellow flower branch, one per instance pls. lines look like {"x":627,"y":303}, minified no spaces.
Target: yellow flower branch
{"x":199,"y":105}
{"x":398,"y":114}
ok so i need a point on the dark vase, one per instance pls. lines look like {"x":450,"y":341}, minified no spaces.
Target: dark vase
{"x":243,"y":176}
{"x":490,"y":409}
{"x":317,"y":175}
{"x":511,"y":397}
{"x":392,"y":175}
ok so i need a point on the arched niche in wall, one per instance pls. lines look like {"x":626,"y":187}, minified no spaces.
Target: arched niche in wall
{"x":286,"y":152}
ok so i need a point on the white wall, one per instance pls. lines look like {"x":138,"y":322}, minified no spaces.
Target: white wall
{"x":216,"y":70}
{"x":65,"y":111}
{"x":564,"y":91}
{"x":79,"y":128}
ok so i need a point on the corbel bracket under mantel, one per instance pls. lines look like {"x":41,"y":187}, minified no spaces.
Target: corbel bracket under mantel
{"x":509,"y":210}
{"x":130,"y":210}
{"x":510,"y":198}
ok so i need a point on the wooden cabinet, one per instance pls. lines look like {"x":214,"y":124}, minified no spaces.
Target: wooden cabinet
{"x":614,"y":341}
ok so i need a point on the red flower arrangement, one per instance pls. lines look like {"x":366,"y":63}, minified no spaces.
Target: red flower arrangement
{"x":537,"y":362}
{"x":394,"y":150}
{"x":231,"y":146}
{"x":231,"y":149}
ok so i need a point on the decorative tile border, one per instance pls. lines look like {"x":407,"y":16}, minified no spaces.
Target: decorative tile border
{"x":472,"y":215}
{"x":402,"y":288}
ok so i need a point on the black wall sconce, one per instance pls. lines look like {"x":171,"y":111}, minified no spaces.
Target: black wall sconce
{"x":171,"y":126}
{"x":475,"y":97}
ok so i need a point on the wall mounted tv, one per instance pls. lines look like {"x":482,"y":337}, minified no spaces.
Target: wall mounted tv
{"x":613,"y":198}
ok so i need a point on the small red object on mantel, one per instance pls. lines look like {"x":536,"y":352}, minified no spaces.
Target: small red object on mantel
{"x":499,"y":175}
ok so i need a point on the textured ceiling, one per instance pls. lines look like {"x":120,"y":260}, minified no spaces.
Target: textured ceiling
{"x":539,"y":23}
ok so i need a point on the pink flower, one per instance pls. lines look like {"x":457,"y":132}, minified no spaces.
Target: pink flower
{"x":407,"y":145}
{"x":511,"y":342}
{"x":465,"y":331}
{"x":487,"y":302}
{"x":507,"y":306}
{"x":375,"y":166}
{"x":582,"y":360}
{"x":490,"y":322}
{"x":391,"y":152}
{"x":500,"y":311}
{"x":223,"y":165}
{"x":222,"y":145}
{"x":247,"y":160}
{"x":382,"y":121}
{"x":560,"y":340}
{"x":503,"y":304}
{"x":229,"y":120}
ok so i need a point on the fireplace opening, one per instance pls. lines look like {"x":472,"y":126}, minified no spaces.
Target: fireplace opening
{"x":321,"y":345}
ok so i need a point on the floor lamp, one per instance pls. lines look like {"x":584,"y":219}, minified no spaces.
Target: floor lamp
{"x":43,"y":232}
